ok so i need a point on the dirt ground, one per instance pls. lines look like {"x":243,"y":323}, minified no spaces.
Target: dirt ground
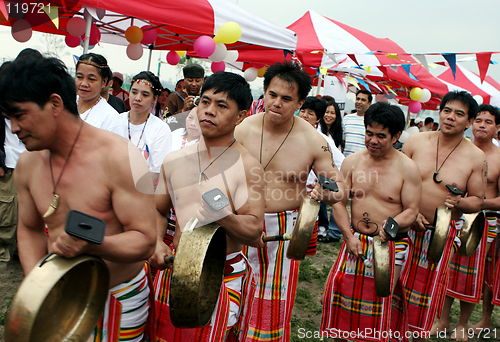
{"x":11,"y":275}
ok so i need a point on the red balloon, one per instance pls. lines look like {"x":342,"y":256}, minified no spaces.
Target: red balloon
{"x":173,"y":58}
{"x":95,"y":35}
{"x":149,"y":36}
{"x":218,"y":66}
{"x":72,"y":41}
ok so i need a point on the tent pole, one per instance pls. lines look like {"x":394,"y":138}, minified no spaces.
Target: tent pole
{"x":320,"y":79}
{"x":87,"y":32}
{"x":151,"y":47}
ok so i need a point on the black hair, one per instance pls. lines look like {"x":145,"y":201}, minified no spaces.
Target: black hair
{"x":387,"y":115}
{"x":99,"y":62}
{"x":290,"y":72}
{"x":151,"y":78}
{"x":492,"y":110}
{"x":29,"y":53}
{"x":335,"y":130}
{"x":463,"y":97}
{"x":4,"y":65}
{"x":179,"y":81}
{"x":235,"y":86}
{"x":318,"y":105}
{"x":366,"y":92}
{"x":35,"y":80}
{"x":428,"y":120}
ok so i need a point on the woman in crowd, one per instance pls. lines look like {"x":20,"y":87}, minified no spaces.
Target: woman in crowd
{"x":92,"y":75}
{"x":331,"y":124}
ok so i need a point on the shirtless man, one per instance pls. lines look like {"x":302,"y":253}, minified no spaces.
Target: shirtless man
{"x":66,"y":155}
{"x":383,"y":183}
{"x":287,"y":147}
{"x":484,"y":128}
{"x":189,"y":172}
{"x":440,"y":157}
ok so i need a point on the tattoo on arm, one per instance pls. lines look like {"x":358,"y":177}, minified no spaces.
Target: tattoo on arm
{"x":367,"y":224}
{"x":327,"y":149}
{"x":484,"y":172}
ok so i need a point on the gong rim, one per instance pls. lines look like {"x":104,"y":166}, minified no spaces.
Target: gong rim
{"x":442,"y":221}
{"x":197,"y":275}
{"x":382,"y":267}
{"x":304,"y":229}
{"x":60,"y":299}
{"x":471,"y":233}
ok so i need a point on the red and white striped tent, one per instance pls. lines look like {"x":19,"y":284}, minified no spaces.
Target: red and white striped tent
{"x":469,"y":81}
{"x":179,"y":23}
{"x":326,"y":43}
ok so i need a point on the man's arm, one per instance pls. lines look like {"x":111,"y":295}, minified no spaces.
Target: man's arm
{"x":324,"y":164}
{"x":493,"y":203}
{"x":411,"y":196}
{"x":163,"y":203}
{"x":133,"y":209}
{"x":476,"y":188}
{"x":31,"y":238}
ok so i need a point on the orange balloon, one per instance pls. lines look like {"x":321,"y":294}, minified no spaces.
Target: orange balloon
{"x":261,"y":71}
{"x":134,"y":35}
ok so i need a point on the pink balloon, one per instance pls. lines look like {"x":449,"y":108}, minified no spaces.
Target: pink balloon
{"x":95,"y":35}
{"x":72,"y":41}
{"x":149,"y":36}
{"x":415,"y":106}
{"x":134,"y":51}
{"x":173,"y":58}
{"x":218,"y":66}
{"x":204,"y":46}
{"x":76,"y":26}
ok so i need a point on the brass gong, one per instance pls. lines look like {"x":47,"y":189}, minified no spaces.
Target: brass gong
{"x":440,"y":227}
{"x":471,"y":233}
{"x":304,"y":228}
{"x":59,"y":300}
{"x":197,"y":275}
{"x":382,"y":267}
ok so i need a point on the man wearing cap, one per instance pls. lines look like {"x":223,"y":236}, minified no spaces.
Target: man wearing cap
{"x":183,"y":101}
{"x":117,"y":90}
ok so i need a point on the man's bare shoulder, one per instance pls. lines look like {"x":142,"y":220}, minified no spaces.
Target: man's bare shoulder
{"x":249,"y":161}
{"x":473,"y":153}
{"x":28,"y":161}
{"x":407,"y":165}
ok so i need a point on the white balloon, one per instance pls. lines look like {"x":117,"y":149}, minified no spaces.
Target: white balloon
{"x":134,"y":51}
{"x":76,"y":26}
{"x":479,"y":99}
{"x":231,"y":56}
{"x":219,"y":53}
{"x":22,"y":31}
{"x":426,"y":95}
{"x":250,"y":74}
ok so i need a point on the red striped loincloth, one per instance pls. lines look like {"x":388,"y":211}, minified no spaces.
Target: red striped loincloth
{"x":351,"y":306}
{"x":276,"y":277}
{"x":465,"y":275}
{"x":496,"y":286}
{"x":425,"y":282}
{"x":216,"y":330}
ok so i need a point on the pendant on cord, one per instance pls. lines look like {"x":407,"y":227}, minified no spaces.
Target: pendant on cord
{"x":53,"y":206}
{"x":434,"y":178}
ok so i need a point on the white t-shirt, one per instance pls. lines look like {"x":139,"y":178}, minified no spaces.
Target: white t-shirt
{"x":155,"y":143}
{"x":179,"y":140}
{"x":103,"y":116}
{"x":13,"y":147}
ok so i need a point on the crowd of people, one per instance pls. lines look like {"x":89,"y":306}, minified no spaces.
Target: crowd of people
{"x":141,"y":161}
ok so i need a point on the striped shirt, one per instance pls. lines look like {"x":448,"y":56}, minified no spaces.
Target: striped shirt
{"x":353,"y":127}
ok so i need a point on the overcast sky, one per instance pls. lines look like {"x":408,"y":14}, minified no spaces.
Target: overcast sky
{"x":423,"y":26}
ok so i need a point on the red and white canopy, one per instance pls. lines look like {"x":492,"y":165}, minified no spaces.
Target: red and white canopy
{"x":179,"y":23}
{"x":469,"y":81}
{"x":326,"y":43}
